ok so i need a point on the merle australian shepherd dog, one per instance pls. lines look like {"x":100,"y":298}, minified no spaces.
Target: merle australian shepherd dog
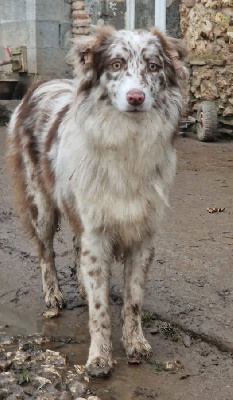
{"x":98,"y":149}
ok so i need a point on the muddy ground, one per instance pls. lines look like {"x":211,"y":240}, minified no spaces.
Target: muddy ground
{"x":188,"y":300}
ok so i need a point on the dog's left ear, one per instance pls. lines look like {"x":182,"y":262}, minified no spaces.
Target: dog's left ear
{"x":175,"y":52}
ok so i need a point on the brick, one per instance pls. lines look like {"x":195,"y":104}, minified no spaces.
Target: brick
{"x":80,"y":31}
{"x":78,"y":5}
{"x":80,"y":15}
{"x":81,"y":23}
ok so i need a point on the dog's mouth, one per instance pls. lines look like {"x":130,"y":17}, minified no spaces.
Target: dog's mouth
{"x":135,"y":109}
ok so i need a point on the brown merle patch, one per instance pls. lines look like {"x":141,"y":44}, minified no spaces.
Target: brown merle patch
{"x":51,"y":138}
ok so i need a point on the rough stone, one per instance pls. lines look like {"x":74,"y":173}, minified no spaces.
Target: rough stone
{"x":93,"y":398}
{"x":77,"y":388}
{"x":228,"y":111}
{"x":188,"y":3}
{"x":205,"y":26}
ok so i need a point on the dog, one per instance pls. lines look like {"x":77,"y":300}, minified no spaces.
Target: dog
{"x":98,"y":149}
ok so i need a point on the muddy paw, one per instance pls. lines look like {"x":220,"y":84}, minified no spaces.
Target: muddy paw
{"x":51,"y":313}
{"x":99,"y":368}
{"x":139,"y":349}
{"x":54,"y":299}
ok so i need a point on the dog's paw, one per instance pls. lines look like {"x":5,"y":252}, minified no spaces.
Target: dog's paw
{"x":138,"y":348}
{"x":54,"y":299}
{"x":99,"y":368}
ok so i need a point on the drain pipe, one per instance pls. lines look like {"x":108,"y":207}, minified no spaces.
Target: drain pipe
{"x":160,"y":14}
{"x":130,"y":14}
{"x":3,"y":62}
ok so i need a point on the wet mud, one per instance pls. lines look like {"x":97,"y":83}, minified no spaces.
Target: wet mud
{"x":188,"y":300}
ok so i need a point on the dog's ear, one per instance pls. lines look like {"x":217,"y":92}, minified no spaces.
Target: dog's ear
{"x":82,"y":54}
{"x":175,"y":52}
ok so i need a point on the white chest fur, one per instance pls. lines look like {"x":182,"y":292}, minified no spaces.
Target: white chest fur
{"x":118,"y":171}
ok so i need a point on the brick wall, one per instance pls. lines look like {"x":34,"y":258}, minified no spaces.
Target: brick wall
{"x":80,"y":19}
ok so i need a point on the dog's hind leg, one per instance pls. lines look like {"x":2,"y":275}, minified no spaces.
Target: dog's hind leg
{"x":51,"y":289}
{"x":137,"y":262}
{"x":44,"y":220}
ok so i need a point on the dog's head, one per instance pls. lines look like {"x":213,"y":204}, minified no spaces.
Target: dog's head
{"x":134,"y":69}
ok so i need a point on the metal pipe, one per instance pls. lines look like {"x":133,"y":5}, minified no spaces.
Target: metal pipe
{"x":160,"y":14}
{"x":130,"y":14}
{"x":5,"y":63}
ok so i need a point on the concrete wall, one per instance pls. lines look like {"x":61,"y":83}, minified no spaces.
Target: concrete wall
{"x":53,"y":30}
{"x":173,"y":18}
{"x":107,"y":12}
{"x":144,"y":14}
{"x":18,"y":28}
{"x":43,"y":26}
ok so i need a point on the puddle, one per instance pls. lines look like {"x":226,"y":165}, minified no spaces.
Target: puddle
{"x":29,"y":336}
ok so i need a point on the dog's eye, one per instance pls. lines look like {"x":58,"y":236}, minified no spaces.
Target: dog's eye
{"x":116,"y":66}
{"x":154,"y":67}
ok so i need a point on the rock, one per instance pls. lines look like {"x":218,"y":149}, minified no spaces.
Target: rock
{"x":79,"y":398}
{"x":65,"y":396}
{"x":228,"y":111}
{"x":189,"y":3}
{"x":7,"y":379}
{"x":6,"y":340}
{"x":209,"y":91}
{"x":5,"y":365}
{"x":93,"y":398}
{"x":187,"y":341}
{"x":77,"y":388}
{"x":54,"y":358}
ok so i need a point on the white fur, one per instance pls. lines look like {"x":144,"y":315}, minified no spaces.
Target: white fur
{"x":111,"y":163}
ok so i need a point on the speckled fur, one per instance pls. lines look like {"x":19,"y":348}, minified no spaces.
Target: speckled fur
{"x":79,"y":149}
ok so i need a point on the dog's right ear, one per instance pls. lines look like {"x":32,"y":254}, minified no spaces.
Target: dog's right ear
{"x":82,"y":54}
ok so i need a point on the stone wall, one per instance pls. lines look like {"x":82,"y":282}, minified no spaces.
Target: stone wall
{"x":207,"y":28}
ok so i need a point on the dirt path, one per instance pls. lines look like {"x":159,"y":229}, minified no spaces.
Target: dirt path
{"x":190,"y":286}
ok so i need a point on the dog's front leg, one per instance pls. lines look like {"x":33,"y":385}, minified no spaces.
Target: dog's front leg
{"x":137,"y":262}
{"x":95,"y":267}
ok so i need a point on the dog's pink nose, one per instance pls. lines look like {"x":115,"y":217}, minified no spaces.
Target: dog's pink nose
{"x":135,"y":97}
